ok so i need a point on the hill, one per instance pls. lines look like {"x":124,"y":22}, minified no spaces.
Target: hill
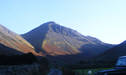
{"x":13,"y":43}
{"x":55,"y":40}
{"x":114,"y":53}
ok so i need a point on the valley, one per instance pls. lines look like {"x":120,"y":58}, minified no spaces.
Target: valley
{"x":64,"y":48}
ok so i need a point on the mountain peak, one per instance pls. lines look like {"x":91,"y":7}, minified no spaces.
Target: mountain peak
{"x":49,"y":23}
{"x":54,"y":39}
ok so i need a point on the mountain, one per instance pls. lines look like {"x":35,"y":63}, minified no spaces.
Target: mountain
{"x":114,"y":53}
{"x":13,"y":43}
{"x":55,"y":40}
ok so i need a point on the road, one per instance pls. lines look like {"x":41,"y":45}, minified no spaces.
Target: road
{"x":55,"y":72}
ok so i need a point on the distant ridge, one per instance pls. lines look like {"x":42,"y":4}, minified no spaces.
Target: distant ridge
{"x":114,"y":53}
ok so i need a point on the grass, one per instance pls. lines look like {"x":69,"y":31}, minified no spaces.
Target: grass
{"x":85,"y":71}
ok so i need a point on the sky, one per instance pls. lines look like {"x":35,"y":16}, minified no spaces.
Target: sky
{"x":103,"y":19}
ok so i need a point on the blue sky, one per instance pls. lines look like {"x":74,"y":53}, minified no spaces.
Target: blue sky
{"x":103,"y":19}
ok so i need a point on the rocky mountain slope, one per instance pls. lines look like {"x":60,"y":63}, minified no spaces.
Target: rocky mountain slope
{"x":53,"y":39}
{"x":10,"y":40}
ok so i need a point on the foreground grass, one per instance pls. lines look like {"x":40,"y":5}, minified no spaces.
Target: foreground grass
{"x":85,"y":71}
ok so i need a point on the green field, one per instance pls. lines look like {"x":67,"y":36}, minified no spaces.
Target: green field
{"x":85,"y":71}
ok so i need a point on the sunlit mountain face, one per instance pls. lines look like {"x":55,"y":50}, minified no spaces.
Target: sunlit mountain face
{"x":56,"y":42}
{"x":11,"y":40}
{"x":53,"y":39}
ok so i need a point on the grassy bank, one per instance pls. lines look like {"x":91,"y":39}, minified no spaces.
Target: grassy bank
{"x":85,"y":71}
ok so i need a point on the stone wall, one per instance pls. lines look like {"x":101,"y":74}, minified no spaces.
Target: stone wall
{"x":31,"y":69}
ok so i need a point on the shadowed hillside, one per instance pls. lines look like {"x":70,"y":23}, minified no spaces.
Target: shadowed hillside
{"x":56,"y":42}
{"x":15,"y":41}
{"x":8,"y":51}
{"x":114,"y":53}
{"x":23,"y":64}
{"x":53,"y":39}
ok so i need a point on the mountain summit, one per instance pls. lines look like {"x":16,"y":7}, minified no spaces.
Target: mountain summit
{"x":54,"y":39}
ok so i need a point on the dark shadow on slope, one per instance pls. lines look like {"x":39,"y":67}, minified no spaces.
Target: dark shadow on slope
{"x":79,"y":61}
{"x":37,"y":36}
{"x":88,"y":52}
{"x":28,"y":58}
{"x":8,"y":51}
{"x":113,"y":53}
{"x":92,"y":50}
{"x":66,"y":59}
